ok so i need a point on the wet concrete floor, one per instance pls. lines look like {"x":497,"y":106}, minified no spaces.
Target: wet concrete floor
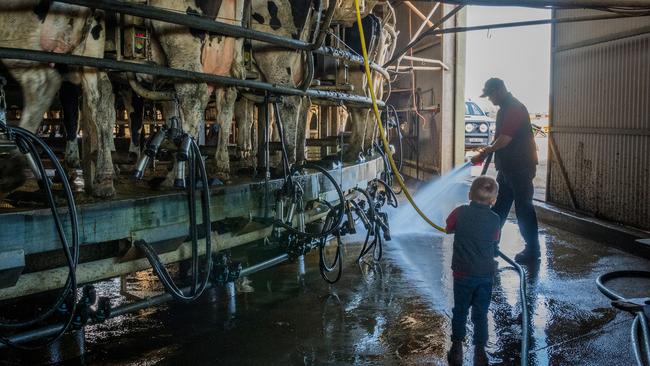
{"x":395,"y":312}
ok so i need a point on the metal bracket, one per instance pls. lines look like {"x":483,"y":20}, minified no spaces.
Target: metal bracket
{"x":224,"y":269}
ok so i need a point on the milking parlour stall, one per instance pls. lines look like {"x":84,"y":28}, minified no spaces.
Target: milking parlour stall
{"x":264,"y":182}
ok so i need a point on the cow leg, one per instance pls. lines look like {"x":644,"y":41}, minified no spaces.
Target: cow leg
{"x":39,"y":86}
{"x":244,"y":119}
{"x":301,"y":131}
{"x":98,"y":121}
{"x":226,"y":102}
{"x":134,"y":105}
{"x":192,"y":101}
{"x":371,"y":131}
{"x":69,"y":96}
{"x":357,"y":121}
{"x":290,"y":111}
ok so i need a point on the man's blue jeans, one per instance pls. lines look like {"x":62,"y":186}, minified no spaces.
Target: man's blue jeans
{"x":517,"y":186}
{"x":474,"y":292}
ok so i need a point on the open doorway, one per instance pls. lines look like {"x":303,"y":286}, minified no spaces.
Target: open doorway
{"x":521,"y":58}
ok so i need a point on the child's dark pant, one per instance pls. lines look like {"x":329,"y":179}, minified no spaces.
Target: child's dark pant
{"x":474,"y":292}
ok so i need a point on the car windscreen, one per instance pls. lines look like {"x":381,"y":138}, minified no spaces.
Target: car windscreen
{"x":471,"y":109}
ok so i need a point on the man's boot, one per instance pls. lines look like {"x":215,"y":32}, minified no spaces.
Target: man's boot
{"x":455,"y":354}
{"x":527,"y":256}
{"x":480,"y":356}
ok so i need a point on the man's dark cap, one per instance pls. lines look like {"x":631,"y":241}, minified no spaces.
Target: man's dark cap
{"x":492,"y":85}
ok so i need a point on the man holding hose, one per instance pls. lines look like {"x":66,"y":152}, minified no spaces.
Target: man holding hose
{"x":515,"y":158}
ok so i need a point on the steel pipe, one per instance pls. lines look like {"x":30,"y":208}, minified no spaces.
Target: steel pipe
{"x":643,"y":4}
{"x":74,"y":60}
{"x":264,"y":265}
{"x":209,"y":25}
{"x":427,"y":61}
{"x":421,"y":28}
{"x":138,"y":305}
{"x":425,"y":19}
{"x":511,"y":25}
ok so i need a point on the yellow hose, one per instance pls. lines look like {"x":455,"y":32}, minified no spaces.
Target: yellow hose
{"x":381,"y":128}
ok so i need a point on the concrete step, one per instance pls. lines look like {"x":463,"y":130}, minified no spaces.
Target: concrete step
{"x":631,"y":240}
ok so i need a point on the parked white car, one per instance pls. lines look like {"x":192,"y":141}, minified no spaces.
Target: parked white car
{"x":479,"y":128}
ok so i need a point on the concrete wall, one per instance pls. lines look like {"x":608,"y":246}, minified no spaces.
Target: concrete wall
{"x":437,"y":149}
{"x":600,"y":118}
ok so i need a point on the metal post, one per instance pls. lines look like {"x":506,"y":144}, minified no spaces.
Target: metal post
{"x":417,"y":142}
{"x":301,"y":269}
{"x":267,"y":158}
{"x":231,"y":294}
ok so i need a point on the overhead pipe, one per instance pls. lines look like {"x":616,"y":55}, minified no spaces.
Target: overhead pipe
{"x":411,"y":44}
{"x":642,"y":4}
{"x":417,"y":12}
{"x":213,"y":26}
{"x":427,"y":61}
{"x":75,"y":60}
{"x":510,"y":25}
{"x":421,"y":28}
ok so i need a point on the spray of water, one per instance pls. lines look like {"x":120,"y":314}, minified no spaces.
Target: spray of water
{"x":436,"y":199}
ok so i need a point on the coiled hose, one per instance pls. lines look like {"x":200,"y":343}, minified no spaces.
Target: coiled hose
{"x":640,"y":319}
{"x":29,"y":143}
{"x":197,"y":286}
{"x":371,"y":229}
{"x":324,"y":267}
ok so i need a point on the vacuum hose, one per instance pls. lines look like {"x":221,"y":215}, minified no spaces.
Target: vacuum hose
{"x":29,"y":144}
{"x":522,"y":287}
{"x":190,"y":154}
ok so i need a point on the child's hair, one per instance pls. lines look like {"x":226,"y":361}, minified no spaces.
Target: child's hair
{"x":484,"y":190}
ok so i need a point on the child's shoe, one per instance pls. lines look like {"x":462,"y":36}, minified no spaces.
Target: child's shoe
{"x":455,"y":354}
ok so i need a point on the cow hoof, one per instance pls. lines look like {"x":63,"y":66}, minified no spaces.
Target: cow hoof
{"x":104,"y":188}
{"x":223,"y":177}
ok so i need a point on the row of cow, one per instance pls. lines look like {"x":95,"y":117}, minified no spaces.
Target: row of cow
{"x":70,"y":29}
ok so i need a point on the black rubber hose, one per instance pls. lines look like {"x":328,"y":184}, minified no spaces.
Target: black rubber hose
{"x":371,"y":206}
{"x":376,"y":245}
{"x":522,"y":288}
{"x":197,"y":288}
{"x":325,"y":267}
{"x":391,"y":193}
{"x":28,"y":140}
{"x":524,"y":307}
{"x":640,"y":318}
{"x":339,"y":216}
{"x":399,"y":138}
{"x":371,"y":214}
